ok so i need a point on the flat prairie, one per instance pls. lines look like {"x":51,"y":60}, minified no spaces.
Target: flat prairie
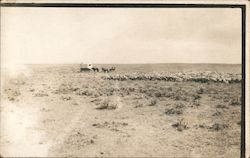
{"x":58,"y":111}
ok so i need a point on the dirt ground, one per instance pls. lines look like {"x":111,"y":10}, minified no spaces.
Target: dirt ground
{"x":57,"y":111}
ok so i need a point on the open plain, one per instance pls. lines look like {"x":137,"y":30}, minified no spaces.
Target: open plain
{"x":55,"y":110}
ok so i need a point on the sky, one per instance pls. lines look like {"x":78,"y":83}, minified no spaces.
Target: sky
{"x":120,"y":35}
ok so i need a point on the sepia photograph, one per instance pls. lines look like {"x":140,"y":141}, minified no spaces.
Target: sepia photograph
{"x":119,"y":80}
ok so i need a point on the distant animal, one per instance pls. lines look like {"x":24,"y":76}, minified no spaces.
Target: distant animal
{"x":105,"y":70}
{"x":95,"y":69}
{"x":112,"y":69}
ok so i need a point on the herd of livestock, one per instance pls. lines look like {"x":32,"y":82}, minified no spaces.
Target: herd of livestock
{"x":196,"y":76}
{"x":199,"y":76}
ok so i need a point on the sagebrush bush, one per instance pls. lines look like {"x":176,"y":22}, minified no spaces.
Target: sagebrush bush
{"x":41,"y":94}
{"x":158,"y":94}
{"x":235,"y":102}
{"x":173,"y":111}
{"x":218,"y":127}
{"x":180,"y":125}
{"x":200,"y":91}
{"x":85,"y":92}
{"x":107,"y":104}
{"x":66,"y":88}
{"x":152,"y":102}
{"x":221,"y":106}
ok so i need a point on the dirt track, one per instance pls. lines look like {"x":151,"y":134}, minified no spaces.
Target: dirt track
{"x":58,"y":112}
